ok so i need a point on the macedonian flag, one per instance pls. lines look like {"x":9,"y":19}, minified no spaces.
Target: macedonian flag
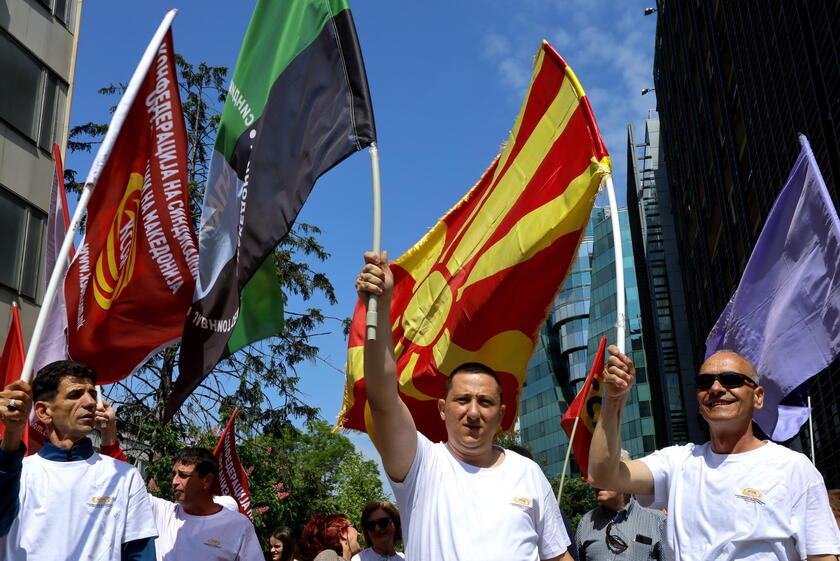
{"x":478,"y":286}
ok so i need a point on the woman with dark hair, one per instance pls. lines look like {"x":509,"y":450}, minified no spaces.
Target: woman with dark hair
{"x":282,"y":545}
{"x":382,"y":528}
{"x":329,"y":537}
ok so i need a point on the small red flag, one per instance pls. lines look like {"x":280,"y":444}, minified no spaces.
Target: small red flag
{"x":11,"y":361}
{"x":587,"y":406}
{"x":132,"y":279}
{"x":232,"y":480}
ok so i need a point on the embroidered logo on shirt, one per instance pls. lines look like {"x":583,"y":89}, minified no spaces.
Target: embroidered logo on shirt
{"x":213,"y":543}
{"x":751,"y":495}
{"x":101,"y":502}
{"x":521,"y":501}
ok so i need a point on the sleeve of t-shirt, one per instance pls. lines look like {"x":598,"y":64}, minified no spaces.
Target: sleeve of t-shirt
{"x":11,"y":466}
{"x":553,"y":539}
{"x":139,"y":518}
{"x":659,"y":464}
{"x":815,"y":524}
{"x":405,"y":490}
{"x":250,"y":549}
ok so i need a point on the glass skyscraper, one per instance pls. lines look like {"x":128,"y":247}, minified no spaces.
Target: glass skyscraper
{"x":582,"y":312}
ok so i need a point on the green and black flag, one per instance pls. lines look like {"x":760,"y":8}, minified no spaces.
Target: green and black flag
{"x":298,"y":104}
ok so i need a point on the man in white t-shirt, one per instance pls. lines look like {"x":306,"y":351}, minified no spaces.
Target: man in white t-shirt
{"x":736,"y":496}
{"x":464,"y":499}
{"x":196,"y":526}
{"x":67,"y":501}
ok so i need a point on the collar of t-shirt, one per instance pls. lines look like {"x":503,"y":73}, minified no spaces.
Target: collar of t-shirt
{"x":80,"y":451}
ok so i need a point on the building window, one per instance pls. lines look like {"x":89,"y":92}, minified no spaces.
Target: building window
{"x":22,"y":229}
{"x":32,"y":94}
{"x":61,"y":9}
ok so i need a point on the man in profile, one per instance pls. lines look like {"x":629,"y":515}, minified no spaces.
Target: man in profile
{"x":466,"y":498}
{"x":195,"y":526}
{"x":96,"y":507}
{"x":734,"y":497}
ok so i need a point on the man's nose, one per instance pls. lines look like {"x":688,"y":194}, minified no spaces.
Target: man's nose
{"x":473,"y":409}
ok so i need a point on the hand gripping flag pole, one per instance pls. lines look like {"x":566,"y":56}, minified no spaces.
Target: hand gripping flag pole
{"x":619,"y":306}
{"x":370,"y":317}
{"x":90,"y":184}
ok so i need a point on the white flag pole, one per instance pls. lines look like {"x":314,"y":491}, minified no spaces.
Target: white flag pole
{"x":619,"y":268}
{"x":811,"y":431}
{"x":90,"y":184}
{"x":370,"y":318}
{"x":566,"y":461}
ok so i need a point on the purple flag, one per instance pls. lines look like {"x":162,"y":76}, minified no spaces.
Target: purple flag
{"x":785,"y":314}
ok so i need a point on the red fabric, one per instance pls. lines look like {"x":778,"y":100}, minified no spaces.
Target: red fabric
{"x":132,"y":279}
{"x":232,"y":479}
{"x":114,"y":451}
{"x":11,"y":361}
{"x":587,"y":406}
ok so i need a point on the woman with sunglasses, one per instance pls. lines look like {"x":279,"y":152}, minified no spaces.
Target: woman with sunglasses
{"x":329,"y":537}
{"x":382,"y":530}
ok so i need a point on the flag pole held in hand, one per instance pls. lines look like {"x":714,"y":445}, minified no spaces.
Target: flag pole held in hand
{"x":377,"y":236}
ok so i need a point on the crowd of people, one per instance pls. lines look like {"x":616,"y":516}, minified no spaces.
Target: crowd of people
{"x":734,"y":497}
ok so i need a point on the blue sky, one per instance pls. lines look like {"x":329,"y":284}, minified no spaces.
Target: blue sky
{"x":447,"y":80}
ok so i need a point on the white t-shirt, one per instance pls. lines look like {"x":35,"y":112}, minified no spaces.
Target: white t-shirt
{"x":451,"y":510}
{"x":223,"y":536}
{"x":370,"y":555}
{"x":768,"y":503}
{"x":83,"y":509}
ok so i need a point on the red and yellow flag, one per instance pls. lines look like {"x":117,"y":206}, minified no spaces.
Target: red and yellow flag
{"x":130,"y":284}
{"x":11,"y":360}
{"x":587,"y":406}
{"x":478,"y":286}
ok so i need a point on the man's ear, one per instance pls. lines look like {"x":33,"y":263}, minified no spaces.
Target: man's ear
{"x":42,"y":411}
{"x":758,"y":398}
{"x":441,"y":409}
{"x":208,"y":481}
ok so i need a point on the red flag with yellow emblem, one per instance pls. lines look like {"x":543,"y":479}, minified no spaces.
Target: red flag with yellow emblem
{"x":587,"y":407}
{"x":478,"y":286}
{"x":132,"y":279}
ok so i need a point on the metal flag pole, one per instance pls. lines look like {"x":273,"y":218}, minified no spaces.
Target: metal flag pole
{"x":619,"y":305}
{"x":619,"y":268}
{"x":370,"y":318}
{"x":90,"y":184}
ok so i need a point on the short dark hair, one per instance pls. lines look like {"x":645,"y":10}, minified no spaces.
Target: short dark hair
{"x":45,"y":385}
{"x":202,"y":458}
{"x":392,"y":513}
{"x":472,"y":368}
{"x":284,"y":535}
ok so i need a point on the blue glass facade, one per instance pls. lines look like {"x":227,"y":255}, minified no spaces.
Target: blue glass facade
{"x":582,"y":312}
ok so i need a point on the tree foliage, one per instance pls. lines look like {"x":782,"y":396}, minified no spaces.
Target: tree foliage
{"x":578,"y":498}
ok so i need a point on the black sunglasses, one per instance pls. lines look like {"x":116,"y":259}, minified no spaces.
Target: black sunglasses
{"x":381,"y":522}
{"x":614,"y":543}
{"x":728,"y":380}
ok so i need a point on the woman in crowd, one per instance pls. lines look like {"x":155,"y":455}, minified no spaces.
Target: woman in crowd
{"x":282,"y":545}
{"x":382,"y":529}
{"x":329,"y":537}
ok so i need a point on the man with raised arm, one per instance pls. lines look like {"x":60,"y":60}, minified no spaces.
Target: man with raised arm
{"x":464,"y":499}
{"x":734,"y":497}
{"x":67,"y":501}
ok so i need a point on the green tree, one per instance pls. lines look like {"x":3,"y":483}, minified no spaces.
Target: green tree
{"x":578,"y":498}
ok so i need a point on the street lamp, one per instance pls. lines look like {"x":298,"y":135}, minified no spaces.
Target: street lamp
{"x":648,"y":90}
{"x":649,"y":11}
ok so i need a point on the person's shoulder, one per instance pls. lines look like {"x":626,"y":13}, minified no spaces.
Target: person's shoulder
{"x":233,"y":517}
{"x":789,"y":460}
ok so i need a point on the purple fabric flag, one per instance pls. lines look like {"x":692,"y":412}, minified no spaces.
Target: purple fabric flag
{"x":785,"y":314}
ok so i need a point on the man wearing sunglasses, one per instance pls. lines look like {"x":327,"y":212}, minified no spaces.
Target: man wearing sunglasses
{"x":734,"y":497}
{"x":620,"y":528}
